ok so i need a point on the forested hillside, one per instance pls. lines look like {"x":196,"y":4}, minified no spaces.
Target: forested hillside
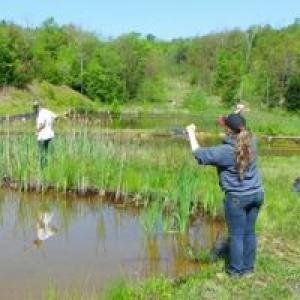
{"x":259,"y":65}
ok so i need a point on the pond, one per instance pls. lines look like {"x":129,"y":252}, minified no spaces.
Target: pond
{"x":86,"y":243}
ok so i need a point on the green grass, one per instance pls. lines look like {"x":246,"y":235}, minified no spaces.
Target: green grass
{"x":161,"y":169}
{"x":155,"y":170}
{"x":282,"y":206}
{"x":275,"y":278}
{"x":261,"y":120}
{"x":58,"y":98}
{"x":183,"y":104}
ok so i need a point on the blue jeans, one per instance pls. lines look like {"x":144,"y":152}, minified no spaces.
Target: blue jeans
{"x":241,"y":214}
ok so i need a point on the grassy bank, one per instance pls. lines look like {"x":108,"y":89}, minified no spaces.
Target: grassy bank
{"x":58,"y":98}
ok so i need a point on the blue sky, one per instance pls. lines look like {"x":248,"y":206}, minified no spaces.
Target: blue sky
{"x":164,"y":18}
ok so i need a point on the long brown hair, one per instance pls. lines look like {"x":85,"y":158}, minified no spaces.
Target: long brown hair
{"x":243,"y":152}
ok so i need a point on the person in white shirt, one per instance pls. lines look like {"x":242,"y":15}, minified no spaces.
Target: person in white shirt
{"x":45,"y":133}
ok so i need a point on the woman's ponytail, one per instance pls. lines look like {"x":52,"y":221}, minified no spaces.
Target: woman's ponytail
{"x":243,"y":151}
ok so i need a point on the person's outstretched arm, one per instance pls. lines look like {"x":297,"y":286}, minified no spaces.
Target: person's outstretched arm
{"x":205,"y":155}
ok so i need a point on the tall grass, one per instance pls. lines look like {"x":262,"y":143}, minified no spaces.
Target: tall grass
{"x":156,"y":170}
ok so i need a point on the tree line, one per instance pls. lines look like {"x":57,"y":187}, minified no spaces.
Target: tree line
{"x":259,"y":65}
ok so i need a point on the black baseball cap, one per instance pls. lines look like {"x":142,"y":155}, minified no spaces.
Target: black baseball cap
{"x":235,"y":122}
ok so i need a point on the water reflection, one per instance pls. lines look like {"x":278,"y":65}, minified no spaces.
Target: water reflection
{"x":45,"y":229}
{"x":85,"y":242}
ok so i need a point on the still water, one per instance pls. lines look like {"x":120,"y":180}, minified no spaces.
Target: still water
{"x":85,"y":244}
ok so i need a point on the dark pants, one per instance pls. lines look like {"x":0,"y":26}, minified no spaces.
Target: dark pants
{"x":43,"y":149}
{"x":241,"y":214}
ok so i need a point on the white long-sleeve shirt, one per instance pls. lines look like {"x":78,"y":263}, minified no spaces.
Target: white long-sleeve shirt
{"x":45,"y":118}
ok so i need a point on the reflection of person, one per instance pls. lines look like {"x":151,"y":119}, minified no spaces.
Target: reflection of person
{"x":44,"y":229}
{"x":235,"y":161}
{"x":45,"y":133}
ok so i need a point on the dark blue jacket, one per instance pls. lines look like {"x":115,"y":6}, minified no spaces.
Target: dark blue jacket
{"x":223,"y":157}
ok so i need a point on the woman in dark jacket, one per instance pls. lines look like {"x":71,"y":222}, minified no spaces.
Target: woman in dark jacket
{"x":239,"y":178}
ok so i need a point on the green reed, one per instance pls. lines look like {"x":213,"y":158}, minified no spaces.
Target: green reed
{"x":157,"y":170}
{"x":160,"y":169}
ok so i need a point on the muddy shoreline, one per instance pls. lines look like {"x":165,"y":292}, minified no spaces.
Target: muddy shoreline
{"x":120,"y":198}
